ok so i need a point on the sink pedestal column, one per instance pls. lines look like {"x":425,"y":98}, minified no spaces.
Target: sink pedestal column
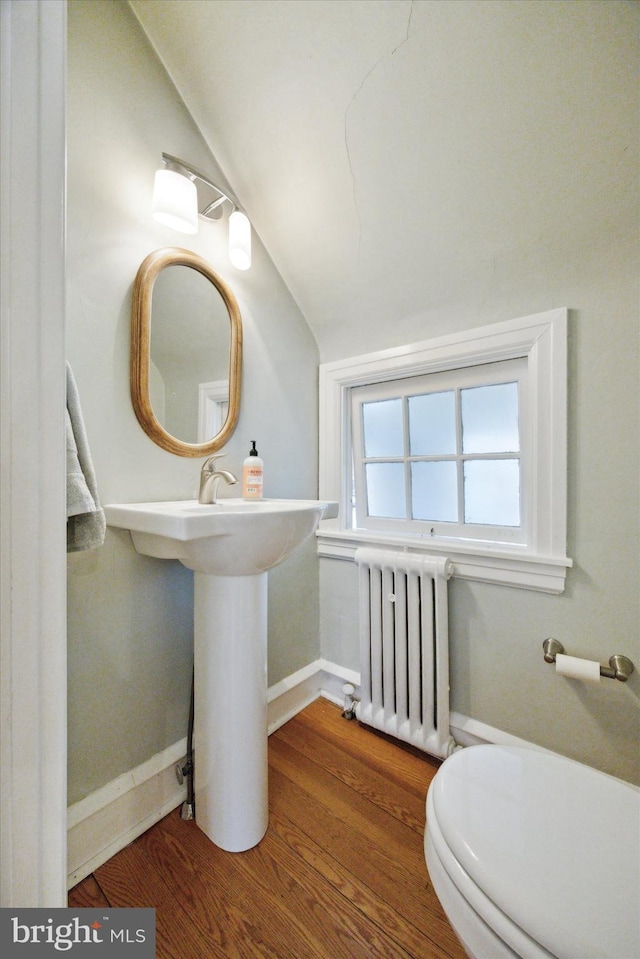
{"x":230,"y":714}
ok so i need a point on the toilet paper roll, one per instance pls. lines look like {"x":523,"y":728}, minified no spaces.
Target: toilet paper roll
{"x":585,"y":669}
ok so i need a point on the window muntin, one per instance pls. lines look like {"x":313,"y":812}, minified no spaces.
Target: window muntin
{"x":442,"y":454}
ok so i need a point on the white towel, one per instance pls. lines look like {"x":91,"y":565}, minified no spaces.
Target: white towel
{"x":85,"y":517}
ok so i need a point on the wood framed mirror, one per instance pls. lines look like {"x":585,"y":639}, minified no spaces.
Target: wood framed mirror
{"x":186,"y":353}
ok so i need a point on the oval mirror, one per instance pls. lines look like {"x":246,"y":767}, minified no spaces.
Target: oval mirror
{"x":186,"y":353}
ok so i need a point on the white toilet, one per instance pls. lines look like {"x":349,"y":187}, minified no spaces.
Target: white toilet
{"x":535,"y":856}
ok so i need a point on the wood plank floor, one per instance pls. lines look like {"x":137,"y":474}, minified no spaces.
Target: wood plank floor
{"x":339,"y":875}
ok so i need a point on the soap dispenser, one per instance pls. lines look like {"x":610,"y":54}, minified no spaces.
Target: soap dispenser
{"x":252,"y":474}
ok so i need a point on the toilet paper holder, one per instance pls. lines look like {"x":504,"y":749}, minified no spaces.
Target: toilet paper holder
{"x":619,"y":666}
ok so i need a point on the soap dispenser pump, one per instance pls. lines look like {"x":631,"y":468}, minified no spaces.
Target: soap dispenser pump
{"x":252,"y":474}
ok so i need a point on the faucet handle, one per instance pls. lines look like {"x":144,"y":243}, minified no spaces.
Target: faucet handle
{"x":209,"y":464}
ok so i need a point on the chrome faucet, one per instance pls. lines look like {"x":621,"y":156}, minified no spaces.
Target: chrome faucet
{"x":210,"y":477}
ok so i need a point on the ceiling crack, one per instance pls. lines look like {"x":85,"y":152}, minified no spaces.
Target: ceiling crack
{"x":348,"y":109}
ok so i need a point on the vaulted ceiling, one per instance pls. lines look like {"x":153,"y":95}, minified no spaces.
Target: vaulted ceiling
{"x":391,"y":152}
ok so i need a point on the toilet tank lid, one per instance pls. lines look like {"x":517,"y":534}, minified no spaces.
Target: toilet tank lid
{"x":553,"y":843}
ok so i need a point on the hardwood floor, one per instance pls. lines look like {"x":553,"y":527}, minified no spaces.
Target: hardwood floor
{"x":340,"y":873}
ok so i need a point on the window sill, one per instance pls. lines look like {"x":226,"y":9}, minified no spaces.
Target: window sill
{"x":503,"y":565}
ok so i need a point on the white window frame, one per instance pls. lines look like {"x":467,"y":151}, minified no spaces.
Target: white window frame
{"x":454,"y":381}
{"x":541,"y":339}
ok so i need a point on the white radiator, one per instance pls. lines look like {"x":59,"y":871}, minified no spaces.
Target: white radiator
{"x":404,"y":647}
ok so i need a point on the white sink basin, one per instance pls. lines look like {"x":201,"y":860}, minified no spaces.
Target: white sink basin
{"x":233,"y":537}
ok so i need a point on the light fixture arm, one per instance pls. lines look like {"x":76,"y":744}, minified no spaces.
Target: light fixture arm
{"x":208,"y":210}
{"x":225,"y":196}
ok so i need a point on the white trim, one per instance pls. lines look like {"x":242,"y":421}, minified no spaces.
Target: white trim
{"x":110,"y":793}
{"x":293,"y":694}
{"x":542,"y":339}
{"x":109,"y":819}
{"x":504,"y":567}
{"x":471,"y":732}
{"x":334,"y":678}
{"x":32,"y":502}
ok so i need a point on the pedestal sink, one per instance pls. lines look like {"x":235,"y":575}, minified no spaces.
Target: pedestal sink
{"x":230,"y":546}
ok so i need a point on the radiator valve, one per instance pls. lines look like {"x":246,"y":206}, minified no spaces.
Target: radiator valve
{"x":350,"y":702}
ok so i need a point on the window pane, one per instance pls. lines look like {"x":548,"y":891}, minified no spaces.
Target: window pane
{"x":432,"y":424}
{"x":490,"y":419}
{"x":382,"y":424}
{"x":385,"y":490}
{"x":492,"y":492}
{"x":434,"y":491}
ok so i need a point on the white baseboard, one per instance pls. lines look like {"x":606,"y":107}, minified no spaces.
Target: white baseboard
{"x":294,"y":693}
{"x":113,"y":816}
{"x":109,"y":819}
{"x":471,"y":732}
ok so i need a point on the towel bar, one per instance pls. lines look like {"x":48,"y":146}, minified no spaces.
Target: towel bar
{"x":619,"y":666}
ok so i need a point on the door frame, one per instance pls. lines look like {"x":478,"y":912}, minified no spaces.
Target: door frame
{"x":32,"y":448}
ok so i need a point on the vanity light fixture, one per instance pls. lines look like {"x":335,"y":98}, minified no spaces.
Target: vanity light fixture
{"x":181,"y":194}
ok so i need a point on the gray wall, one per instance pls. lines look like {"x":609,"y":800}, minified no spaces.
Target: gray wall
{"x":130,"y":617}
{"x":584,"y":255}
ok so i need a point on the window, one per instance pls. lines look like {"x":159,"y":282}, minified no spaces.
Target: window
{"x":440,"y":454}
{"x":455,"y":446}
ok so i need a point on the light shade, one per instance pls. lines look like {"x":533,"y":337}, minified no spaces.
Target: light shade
{"x":240,"y":240}
{"x":175,"y":201}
